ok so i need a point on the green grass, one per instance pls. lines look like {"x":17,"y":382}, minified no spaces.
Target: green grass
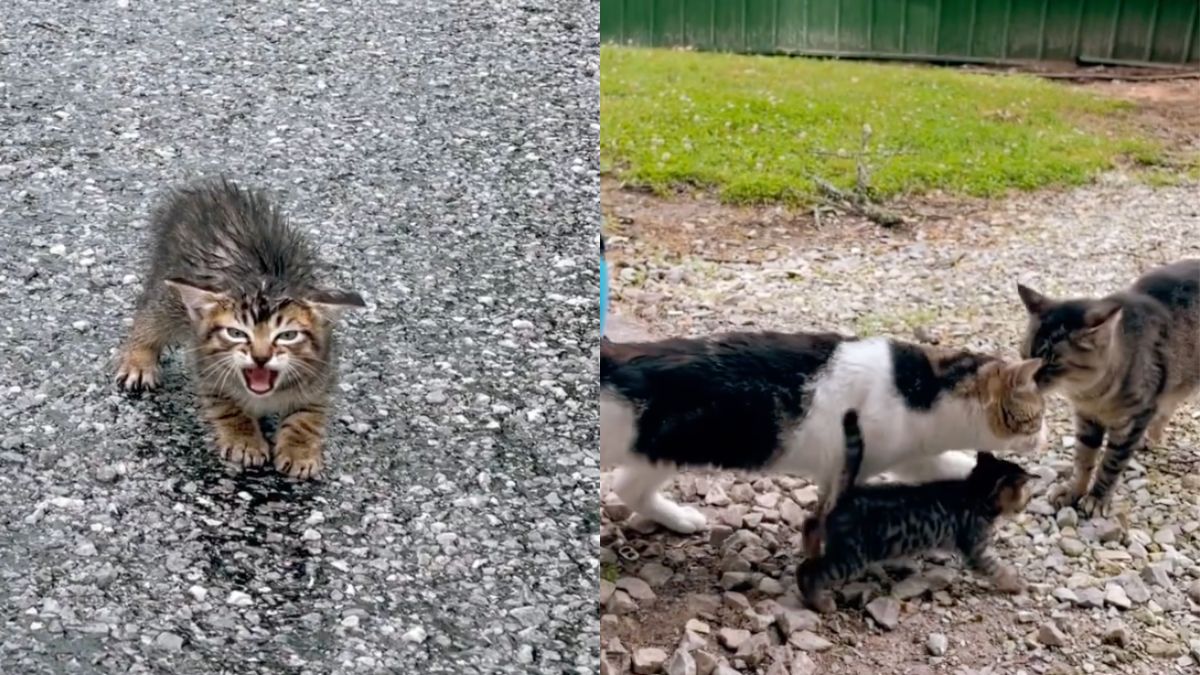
{"x":756,"y":128}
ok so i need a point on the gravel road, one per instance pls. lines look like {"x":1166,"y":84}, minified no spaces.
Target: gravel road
{"x":443,"y":155}
{"x":1108,"y":595}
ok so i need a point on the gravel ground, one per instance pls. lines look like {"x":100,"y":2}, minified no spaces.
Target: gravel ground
{"x":444,"y":157}
{"x":1107,"y":595}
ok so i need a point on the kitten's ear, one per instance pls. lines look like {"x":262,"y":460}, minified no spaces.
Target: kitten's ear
{"x":1026,"y":372}
{"x":1102,"y":313}
{"x":1035,"y":302}
{"x":198,"y":300}
{"x":332,"y":300}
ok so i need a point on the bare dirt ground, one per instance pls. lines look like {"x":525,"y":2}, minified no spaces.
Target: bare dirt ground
{"x":1117,"y":595}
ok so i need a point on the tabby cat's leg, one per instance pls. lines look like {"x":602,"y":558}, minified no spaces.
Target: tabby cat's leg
{"x":1089,"y":436}
{"x":1123,"y":441}
{"x":815,"y":576}
{"x":1167,"y":405}
{"x":298,"y":444}
{"x":637,"y":484}
{"x":978,"y":554}
{"x":239,"y":440}
{"x":137,"y":365}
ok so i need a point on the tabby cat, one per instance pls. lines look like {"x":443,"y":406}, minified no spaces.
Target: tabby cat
{"x":1125,"y":361}
{"x":774,"y":401}
{"x":877,"y":523}
{"x":234,"y":282}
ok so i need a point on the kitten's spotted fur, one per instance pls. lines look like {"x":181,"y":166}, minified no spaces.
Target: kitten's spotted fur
{"x":774,"y":401}
{"x":1125,"y":361}
{"x":232,"y":281}
{"x":877,"y":523}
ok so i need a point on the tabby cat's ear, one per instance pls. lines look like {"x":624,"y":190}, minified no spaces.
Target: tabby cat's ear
{"x":1026,"y":371}
{"x":332,"y":300}
{"x":198,"y":300}
{"x":1035,"y":302}
{"x":1102,"y":313}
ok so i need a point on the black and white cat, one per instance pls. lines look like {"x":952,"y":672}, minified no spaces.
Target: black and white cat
{"x":774,"y":402}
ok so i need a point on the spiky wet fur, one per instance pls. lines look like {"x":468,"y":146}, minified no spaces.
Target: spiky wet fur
{"x":1126,"y":362}
{"x":224,"y":257}
{"x":878,"y":523}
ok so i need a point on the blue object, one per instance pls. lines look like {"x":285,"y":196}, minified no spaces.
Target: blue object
{"x":603,"y":287}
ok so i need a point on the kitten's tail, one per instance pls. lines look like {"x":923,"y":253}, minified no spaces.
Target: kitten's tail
{"x":854,"y":449}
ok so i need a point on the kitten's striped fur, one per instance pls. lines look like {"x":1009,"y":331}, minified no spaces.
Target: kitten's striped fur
{"x":232,"y":281}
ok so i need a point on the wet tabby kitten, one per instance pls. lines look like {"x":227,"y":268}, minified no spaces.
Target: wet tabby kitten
{"x":774,"y":401}
{"x":234,"y":282}
{"x":877,"y":523}
{"x":1125,"y":361}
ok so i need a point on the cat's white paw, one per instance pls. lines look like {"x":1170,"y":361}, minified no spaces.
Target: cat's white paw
{"x":683,"y":519}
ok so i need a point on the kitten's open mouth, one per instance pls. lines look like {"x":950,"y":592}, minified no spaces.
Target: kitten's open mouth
{"x":259,"y":380}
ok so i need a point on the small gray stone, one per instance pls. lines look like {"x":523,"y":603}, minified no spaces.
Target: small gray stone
{"x":1157,"y":575}
{"x":239,"y":599}
{"x":1135,"y":589}
{"x":107,"y":474}
{"x":794,"y":620}
{"x":168,"y":641}
{"x":1165,"y":536}
{"x":1193,"y":591}
{"x":716,"y":496}
{"x":648,"y":660}
{"x":718,"y":533}
{"x":1067,"y":517}
{"x":770,"y":586}
{"x":802,"y":664}
{"x":1049,"y":635}
{"x":620,"y":603}
{"x":885,"y":610}
{"x":732,"y":638}
{"x":1109,"y":530}
{"x":636,"y":588}
{"x":416,"y":635}
{"x":1072,"y":546}
{"x":809,"y":641}
{"x":1091,"y":597}
{"x":655,"y":574}
{"x":754,"y":650}
{"x":937,"y":644}
{"x":705,"y":663}
{"x":436,"y":397}
{"x":1115,"y":596}
{"x":681,"y":663}
{"x":1116,"y":634}
{"x":1065,"y":595}
{"x":85,"y":549}
{"x":910,"y":587}
{"x":734,"y":581}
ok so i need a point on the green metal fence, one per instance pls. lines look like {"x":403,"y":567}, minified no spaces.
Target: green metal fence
{"x":1121,"y":32}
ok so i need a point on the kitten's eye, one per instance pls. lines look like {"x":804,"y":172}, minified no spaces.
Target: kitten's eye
{"x":288,"y":336}
{"x":235,"y":334}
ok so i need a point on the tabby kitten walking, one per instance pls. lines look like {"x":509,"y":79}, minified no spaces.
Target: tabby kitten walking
{"x":876,"y":523}
{"x":236,"y":284}
{"x":1125,"y":361}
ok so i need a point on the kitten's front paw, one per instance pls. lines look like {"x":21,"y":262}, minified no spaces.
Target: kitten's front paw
{"x":243,"y":449}
{"x":298,"y":460}
{"x":1093,"y":506}
{"x":1008,"y":581}
{"x":138,"y":370}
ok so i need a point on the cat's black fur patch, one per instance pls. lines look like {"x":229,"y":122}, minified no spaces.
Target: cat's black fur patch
{"x":920,"y":381}
{"x":721,"y":401}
